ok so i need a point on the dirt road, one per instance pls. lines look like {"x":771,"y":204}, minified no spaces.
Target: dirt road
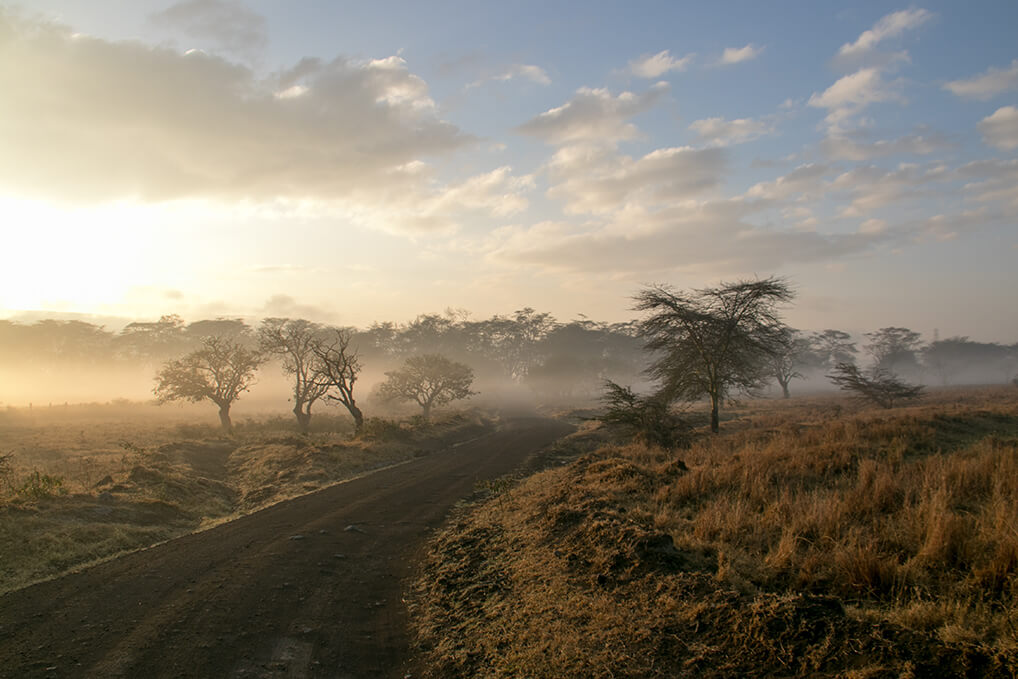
{"x":307,"y":588}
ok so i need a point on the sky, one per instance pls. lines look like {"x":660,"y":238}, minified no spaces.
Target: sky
{"x":358,"y":162}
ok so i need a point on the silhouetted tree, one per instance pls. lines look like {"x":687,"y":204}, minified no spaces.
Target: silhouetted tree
{"x":880,"y":386}
{"x":833,"y":347}
{"x":429,"y":380}
{"x":795,"y":353}
{"x":219,"y":372}
{"x":292,"y":340}
{"x":712,"y":341}
{"x":894,"y":349}
{"x":337,"y":368}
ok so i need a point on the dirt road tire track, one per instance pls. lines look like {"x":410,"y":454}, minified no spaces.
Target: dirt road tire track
{"x":311,"y":587}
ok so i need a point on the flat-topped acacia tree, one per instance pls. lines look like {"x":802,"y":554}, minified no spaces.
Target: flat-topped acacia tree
{"x":713,"y":341}
{"x":220,"y":371}
{"x":429,"y":380}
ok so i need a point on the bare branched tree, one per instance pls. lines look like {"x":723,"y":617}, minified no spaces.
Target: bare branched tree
{"x":428,"y":380}
{"x":292,"y":340}
{"x":880,"y":387}
{"x":219,"y":372}
{"x":713,"y":341}
{"x":337,"y":368}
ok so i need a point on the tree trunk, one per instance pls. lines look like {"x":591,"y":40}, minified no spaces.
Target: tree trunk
{"x":358,"y":418}
{"x":784,"y":389}
{"x":427,"y":412}
{"x":714,"y":419}
{"x":224,"y":418}
{"x":303,"y":419}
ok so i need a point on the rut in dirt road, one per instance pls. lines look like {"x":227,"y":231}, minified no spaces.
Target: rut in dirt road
{"x":311,"y":587}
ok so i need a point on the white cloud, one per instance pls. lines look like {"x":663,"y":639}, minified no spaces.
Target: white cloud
{"x":656,"y":65}
{"x":858,"y":145}
{"x":1000,"y":129}
{"x":712,"y":237}
{"x":851,"y":94}
{"x":529,"y":72}
{"x":98,"y":121}
{"x":227,"y":24}
{"x":724,"y":132}
{"x":805,"y":181}
{"x":991,"y":181}
{"x":589,"y":180}
{"x":987,"y":85}
{"x":593,"y":115}
{"x":890,"y":26}
{"x":735,"y":55}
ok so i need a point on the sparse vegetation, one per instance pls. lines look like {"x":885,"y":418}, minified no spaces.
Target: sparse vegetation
{"x":802,"y":543}
{"x":69,"y":496}
{"x":220,"y":371}
{"x":714,"y":341}
{"x":428,"y":380}
{"x":649,"y":419}
{"x":879,"y":387}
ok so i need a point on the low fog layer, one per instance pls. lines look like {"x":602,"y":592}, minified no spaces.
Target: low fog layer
{"x":516,"y":359}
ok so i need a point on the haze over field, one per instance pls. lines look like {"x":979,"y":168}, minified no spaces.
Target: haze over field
{"x":348,"y":164}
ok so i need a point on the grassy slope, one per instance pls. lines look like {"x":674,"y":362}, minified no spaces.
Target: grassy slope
{"x":803,"y":542}
{"x":128,"y":484}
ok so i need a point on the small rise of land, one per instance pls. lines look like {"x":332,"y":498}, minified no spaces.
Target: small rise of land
{"x":808,"y":539}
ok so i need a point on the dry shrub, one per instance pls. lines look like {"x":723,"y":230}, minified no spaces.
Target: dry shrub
{"x":872,"y":545}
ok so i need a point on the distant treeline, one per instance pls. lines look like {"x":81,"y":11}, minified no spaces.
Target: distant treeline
{"x":529,"y":348}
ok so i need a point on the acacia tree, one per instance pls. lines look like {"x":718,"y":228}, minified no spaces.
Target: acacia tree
{"x":292,"y":340}
{"x":794,"y":352}
{"x":336,"y":367}
{"x":880,"y":386}
{"x":833,"y":347}
{"x":219,"y":372}
{"x":429,"y":380}
{"x":894,"y":349}
{"x":713,"y":341}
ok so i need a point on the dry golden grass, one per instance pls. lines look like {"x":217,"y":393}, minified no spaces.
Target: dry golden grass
{"x":84,"y":484}
{"x":812,"y":539}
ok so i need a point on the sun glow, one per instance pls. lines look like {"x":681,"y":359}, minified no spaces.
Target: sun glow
{"x":70,"y":258}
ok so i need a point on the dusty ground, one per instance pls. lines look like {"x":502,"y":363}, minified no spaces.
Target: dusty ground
{"x":311,"y":587}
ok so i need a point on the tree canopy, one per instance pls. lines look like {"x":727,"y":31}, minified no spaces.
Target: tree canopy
{"x":429,"y":380}
{"x":713,"y":341}
{"x":219,"y":372}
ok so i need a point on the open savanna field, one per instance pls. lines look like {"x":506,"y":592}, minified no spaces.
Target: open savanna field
{"x":811,"y":537}
{"x":84,"y":483}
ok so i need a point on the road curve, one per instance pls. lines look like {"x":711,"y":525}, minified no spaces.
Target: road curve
{"x":307,"y":588}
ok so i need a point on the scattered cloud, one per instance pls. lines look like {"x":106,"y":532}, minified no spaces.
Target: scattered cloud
{"x":859,"y":145}
{"x":593,"y":116}
{"x":891,"y":26}
{"x":713,"y":237}
{"x":1000,"y":129}
{"x":655,"y":65}
{"x":91,"y":124}
{"x":529,"y":72}
{"x":851,"y":94}
{"x":726,"y":132}
{"x":736,"y":55}
{"x":226,"y":24}
{"x":591,"y":181}
{"x":988,"y":85}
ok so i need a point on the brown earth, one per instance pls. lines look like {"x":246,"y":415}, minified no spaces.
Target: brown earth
{"x":310,"y":587}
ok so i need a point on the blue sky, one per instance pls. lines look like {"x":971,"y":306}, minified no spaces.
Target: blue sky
{"x":359,"y":162}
